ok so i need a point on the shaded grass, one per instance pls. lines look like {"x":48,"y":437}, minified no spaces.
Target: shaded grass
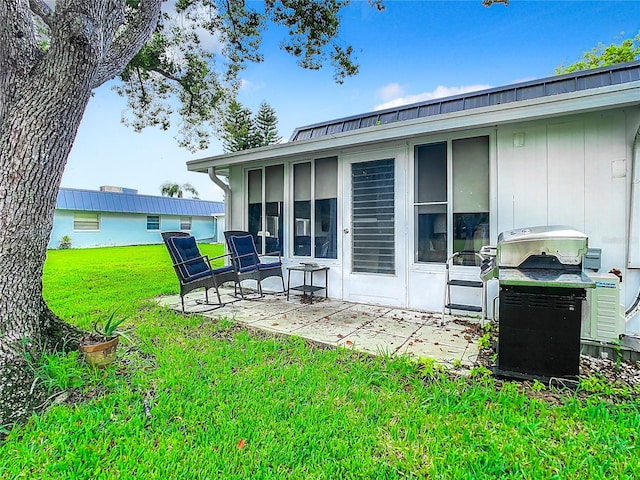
{"x":209,"y":399}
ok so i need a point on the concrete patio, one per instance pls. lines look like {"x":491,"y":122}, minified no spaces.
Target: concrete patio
{"x":369,"y":328}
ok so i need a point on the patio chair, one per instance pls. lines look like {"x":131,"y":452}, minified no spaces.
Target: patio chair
{"x":247,"y":263}
{"x":193,"y":269}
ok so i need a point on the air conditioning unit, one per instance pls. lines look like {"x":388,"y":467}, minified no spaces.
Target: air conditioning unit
{"x":605,"y":320}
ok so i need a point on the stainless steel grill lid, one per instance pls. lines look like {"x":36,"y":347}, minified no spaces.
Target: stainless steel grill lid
{"x":545,"y":256}
{"x":565,"y":243}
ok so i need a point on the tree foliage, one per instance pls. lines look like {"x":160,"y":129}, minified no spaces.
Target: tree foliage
{"x":242,"y":130}
{"x":489,"y":3}
{"x":266,"y":126}
{"x":237,"y":128}
{"x":198,"y":50}
{"x":601,"y":56}
{"x":172,"y":189}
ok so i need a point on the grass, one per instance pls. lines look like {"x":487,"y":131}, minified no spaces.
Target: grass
{"x":195,"y":398}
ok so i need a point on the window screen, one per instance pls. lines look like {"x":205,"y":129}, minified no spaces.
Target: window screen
{"x":86,"y":221}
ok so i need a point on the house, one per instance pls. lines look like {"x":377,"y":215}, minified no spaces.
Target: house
{"x":383,"y":198}
{"x":120,"y":216}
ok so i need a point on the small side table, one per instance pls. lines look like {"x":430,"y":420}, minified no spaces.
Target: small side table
{"x":308,"y":288}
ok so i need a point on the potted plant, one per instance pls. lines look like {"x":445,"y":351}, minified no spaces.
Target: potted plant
{"x":99,"y":347}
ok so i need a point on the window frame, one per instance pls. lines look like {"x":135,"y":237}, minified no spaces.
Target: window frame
{"x":186,"y":221}
{"x":313,"y":206}
{"x":158,"y":223}
{"x":77,"y":221}
{"x":262,"y":245}
{"x":449,"y":203}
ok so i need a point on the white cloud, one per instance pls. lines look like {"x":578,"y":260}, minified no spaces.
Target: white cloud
{"x":440,"y":92}
{"x":248,"y":86}
{"x":390,"y":91}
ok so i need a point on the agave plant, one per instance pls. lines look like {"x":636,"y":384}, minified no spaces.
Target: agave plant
{"x":109,"y":328}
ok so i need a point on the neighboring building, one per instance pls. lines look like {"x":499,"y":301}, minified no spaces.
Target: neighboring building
{"x":119,"y":216}
{"x":429,"y":179}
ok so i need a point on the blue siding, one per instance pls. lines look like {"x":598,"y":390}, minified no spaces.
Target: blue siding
{"x":118,"y":229}
{"x":123,"y":218}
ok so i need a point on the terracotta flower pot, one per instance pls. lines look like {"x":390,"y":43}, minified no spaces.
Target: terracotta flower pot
{"x":99,"y":355}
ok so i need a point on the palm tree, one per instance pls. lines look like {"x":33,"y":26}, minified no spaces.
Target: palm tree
{"x":171,"y":189}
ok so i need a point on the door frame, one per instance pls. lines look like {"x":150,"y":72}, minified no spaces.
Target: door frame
{"x":376,"y":288}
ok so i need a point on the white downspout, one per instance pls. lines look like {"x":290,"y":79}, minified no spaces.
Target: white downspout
{"x":634,"y":223}
{"x":227,"y":194}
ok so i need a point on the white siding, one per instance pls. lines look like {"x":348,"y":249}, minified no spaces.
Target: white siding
{"x":522,"y":177}
{"x":565,"y":174}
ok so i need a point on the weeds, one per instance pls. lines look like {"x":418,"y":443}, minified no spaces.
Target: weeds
{"x":617,"y":347}
{"x":480,"y":372}
{"x":599,"y":385}
{"x":538,"y":386}
{"x":486,"y":339}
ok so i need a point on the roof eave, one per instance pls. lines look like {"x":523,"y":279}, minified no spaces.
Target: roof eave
{"x":613,"y":96}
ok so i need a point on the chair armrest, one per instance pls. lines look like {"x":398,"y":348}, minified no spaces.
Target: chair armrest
{"x":213,"y":259}
{"x":272,"y":254}
{"x":206,"y":258}
{"x":221,"y":256}
{"x":237,"y":260}
{"x":241,"y":256}
{"x":191,"y":260}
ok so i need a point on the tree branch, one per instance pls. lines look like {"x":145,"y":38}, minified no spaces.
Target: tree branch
{"x":129,"y":41}
{"x":41,"y":9}
{"x":19,"y":50}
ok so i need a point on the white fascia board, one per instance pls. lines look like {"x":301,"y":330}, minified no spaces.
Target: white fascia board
{"x":543,"y":107}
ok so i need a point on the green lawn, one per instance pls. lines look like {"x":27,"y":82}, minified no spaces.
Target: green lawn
{"x":195,"y":398}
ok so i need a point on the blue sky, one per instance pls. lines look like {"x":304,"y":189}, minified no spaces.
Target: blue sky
{"x":412,"y":51}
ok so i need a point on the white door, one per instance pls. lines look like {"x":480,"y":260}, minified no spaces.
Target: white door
{"x":373,"y":225}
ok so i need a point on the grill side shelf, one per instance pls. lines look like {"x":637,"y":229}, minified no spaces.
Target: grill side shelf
{"x":544,"y":278}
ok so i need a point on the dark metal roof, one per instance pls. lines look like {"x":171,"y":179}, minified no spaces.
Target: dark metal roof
{"x":570,"y":82}
{"x":97,"y":201}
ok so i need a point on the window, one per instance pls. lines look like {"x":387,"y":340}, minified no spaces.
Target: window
{"x":470,"y":194}
{"x":373,"y":216}
{"x":185,"y":223}
{"x":315,"y":229}
{"x":431,"y":202}
{"x":266,"y":201}
{"x":86,"y":221}
{"x":302,"y":209}
{"x":466,"y":206}
{"x":153,"y":222}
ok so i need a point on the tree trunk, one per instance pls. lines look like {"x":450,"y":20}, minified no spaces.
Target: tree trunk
{"x":37,"y":134}
{"x":43,"y":96}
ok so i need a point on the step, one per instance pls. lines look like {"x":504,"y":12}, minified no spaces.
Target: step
{"x":468,"y":308}
{"x":465,"y":283}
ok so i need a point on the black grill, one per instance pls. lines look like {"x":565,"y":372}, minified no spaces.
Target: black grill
{"x":541,"y":299}
{"x":539,"y":335}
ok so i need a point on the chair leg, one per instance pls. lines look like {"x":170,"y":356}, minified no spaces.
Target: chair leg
{"x":219,"y":299}
{"x":182,"y":299}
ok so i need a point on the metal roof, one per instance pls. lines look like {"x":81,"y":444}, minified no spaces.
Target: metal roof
{"x":570,"y":82}
{"x":98,"y":201}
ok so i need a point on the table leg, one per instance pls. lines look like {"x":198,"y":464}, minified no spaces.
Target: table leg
{"x":326,"y":284}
